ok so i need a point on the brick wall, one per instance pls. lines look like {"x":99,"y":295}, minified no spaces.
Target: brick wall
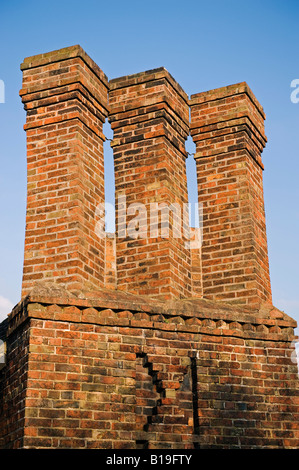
{"x":101,"y":374}
{"x":13,"y":388}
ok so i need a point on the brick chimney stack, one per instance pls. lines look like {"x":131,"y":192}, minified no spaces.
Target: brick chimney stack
{"x":149,"y":115}
{"x":65,"y":95}
{"x":90,"y":365}
{"x":227,"y":126}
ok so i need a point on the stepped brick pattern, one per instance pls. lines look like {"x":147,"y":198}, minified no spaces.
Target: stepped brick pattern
{"x":146,"y":341}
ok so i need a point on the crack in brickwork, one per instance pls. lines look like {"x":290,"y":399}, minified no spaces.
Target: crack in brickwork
{"x":170,"y":409}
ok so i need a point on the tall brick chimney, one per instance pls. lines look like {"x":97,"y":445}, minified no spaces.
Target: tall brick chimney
{"x":149,"y":115}
{"x":227,"y":125}
{"x":103,"y":368}
{"x":65,"y":95}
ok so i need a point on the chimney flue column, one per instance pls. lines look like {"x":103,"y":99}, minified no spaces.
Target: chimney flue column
{"x":65,"y":95}
{"x":149,"y":115}
{"x":227,"y":126}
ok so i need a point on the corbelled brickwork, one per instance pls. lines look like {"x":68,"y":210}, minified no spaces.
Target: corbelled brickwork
{"x":149,"y":341}
{"x":65,"y":96}
{"x":149,"y":115}
{"x":227,"y":126}
{"x":112,"y":370}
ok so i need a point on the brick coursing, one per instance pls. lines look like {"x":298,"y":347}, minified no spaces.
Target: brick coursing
{"x":145,"y":343}
{"x":65,"y":96}
{"x":157,"y":375}
{"x":149,"y":115}
{"x":227,"y":126}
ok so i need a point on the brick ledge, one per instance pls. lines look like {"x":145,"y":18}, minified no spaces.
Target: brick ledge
{"x":116,"y":308}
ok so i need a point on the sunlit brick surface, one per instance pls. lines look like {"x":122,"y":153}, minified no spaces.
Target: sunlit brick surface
{"x":144,"y":343}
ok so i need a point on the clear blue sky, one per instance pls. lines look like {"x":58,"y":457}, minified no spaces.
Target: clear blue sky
{"x":204,"y":45}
